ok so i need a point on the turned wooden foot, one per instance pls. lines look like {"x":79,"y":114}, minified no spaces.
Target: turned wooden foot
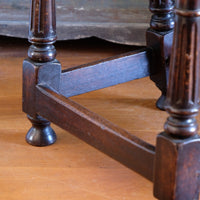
{"x":160,"y":38}
{"x":161,"y":102}
{"x":41,"y":133}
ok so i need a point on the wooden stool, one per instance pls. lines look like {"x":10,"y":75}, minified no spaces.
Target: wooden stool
{"x":174,"y":164}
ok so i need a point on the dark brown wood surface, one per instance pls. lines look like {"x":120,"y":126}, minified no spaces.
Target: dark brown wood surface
{"x":180,"y":179}
{"x":160,"y":38}
{"x":179,"y":146}
{"x":105,"y":73}
{"x":42,"y":98}
{"x":119,"y":21}
{"x":41,"y":71}
{"x":96,"y":131}
{"x":71,"y":169}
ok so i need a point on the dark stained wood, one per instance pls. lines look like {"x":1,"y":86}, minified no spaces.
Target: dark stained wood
{"x":174,"y":168}
{"x":41,"y":133}
{"x":160,"y":37}
{"x":118,"y":21}
{"x":177,"y":168}
{"x":71,"y":169}
{"x":162,"y":19}
{"x":159,"y":66}
{"x":31,"y":79}
{"x":42,"y":31}
{"x":183,"y":91}
{"x":96,"y":131}
{"x":105,"y":73}
{"x":177,"y":162}
{"x":42,"y":35}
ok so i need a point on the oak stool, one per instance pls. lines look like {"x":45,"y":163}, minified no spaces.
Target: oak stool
{"x":173,"y":165}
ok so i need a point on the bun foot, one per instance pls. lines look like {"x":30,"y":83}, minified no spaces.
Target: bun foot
{"x":40,"y":134}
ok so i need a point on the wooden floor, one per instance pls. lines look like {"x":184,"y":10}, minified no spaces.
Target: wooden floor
{"x":70,"y":169}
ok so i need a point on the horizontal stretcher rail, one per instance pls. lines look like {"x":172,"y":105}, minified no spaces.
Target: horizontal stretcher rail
{"x":96,"y":131}
{"x":105,"y":73}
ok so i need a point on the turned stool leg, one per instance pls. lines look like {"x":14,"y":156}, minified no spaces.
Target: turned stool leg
{"x":177,"y":163}
{"x":42,"y":35}
{"x":159,"y":38}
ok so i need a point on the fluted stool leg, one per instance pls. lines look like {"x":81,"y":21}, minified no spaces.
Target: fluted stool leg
{"x":42,"y":35}
{"x":177,"y":163}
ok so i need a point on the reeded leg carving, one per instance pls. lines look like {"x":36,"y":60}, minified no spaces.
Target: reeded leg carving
{"x":159,"y":38}
{"x":42,"y":35}
{"x":177,"y":163}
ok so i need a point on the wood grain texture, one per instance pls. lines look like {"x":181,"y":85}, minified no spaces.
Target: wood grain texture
{"x":160,"y":38}
{"x":178,"y":148}
{"x":181,"y":179}
{"x":67,"y":114}
{"x":118,"y":21}
{"x":183,"y":92}
{"x":70,"y":169}
{"x":105,"y":73}
{"x":42,"y":31}
{"x":96,"y":131}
